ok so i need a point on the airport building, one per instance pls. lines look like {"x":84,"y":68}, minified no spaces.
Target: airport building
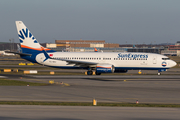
{"x":85,"y":43}
{"x":102,"y":46}
{"x":8,"y":46}
{"x":143,"y":48}
{"x":146,"y":50}
{"x":172,"y":50}
{"x":91,"y":49}
{"x":82,"y":45}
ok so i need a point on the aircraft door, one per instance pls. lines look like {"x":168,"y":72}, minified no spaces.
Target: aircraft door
{"x":154,"y":59}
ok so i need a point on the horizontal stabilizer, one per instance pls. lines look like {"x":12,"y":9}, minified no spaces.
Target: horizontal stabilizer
{"x":23,"y":54}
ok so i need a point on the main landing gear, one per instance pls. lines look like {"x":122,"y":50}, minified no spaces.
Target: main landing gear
{"x":98,"y":73}
{"x":90,"y":72}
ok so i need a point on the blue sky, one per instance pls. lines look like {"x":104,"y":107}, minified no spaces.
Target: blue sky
{"x":116,"y":21}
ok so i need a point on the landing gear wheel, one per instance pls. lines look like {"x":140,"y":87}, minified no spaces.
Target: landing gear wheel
{"x":159,"y":73}
{"x":98,"y":73}
{"x":89,"y":72}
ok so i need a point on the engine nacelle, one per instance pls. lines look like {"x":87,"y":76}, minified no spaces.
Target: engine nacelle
{"x":120,"y":71}
{"x":105,"y":68}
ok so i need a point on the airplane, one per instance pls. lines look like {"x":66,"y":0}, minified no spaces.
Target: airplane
{"x":5,"y":52}
{"x":100,"y":62}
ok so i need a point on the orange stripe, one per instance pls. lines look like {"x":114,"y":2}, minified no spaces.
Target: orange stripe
{"x":103,"y":67}
{"x":39,"y":49}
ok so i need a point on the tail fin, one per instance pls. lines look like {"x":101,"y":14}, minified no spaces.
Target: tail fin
{"x":95,"y":50}
{"x":134,"y":46}
{"x":28,"y":42}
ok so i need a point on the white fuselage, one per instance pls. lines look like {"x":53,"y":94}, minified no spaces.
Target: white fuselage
{"x":124,"y":60}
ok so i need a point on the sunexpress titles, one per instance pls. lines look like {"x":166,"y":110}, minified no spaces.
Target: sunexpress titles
{"x":129,"y":55}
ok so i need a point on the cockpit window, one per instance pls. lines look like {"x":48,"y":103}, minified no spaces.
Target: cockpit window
{"x":165,"y":58}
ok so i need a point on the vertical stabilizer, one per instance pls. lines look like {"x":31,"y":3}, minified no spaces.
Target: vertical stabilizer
{"x":95,"y":50}
{"x":27,"y":40}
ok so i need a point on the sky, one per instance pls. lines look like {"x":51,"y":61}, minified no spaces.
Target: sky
{"x":115,"y":21}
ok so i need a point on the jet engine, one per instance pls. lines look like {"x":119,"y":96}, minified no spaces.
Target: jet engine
{"x":105,"y":68}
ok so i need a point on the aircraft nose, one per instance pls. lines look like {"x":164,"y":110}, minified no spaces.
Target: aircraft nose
{"x":173,"y":63}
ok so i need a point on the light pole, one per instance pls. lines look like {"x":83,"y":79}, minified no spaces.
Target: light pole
{"x":10,"y":44}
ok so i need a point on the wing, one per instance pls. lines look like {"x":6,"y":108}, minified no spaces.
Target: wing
{"x":76,"y":62}
{"x":23,"y":54}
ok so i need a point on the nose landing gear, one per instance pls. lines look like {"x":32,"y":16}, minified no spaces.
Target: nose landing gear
{"x":161,"y":70}
{"x":159,"y":73}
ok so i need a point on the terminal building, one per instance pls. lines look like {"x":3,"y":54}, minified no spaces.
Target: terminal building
{"x":102,"y":46}
{"x":81,"y":45}
{"x":172,"y":50}
{"x":146,"y":50}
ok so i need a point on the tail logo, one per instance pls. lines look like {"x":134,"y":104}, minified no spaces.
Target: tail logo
{"x":26,"y":34}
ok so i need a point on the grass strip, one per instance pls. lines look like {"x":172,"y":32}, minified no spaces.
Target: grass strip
{"x":87,"y":104}
{"x":5,"y":82}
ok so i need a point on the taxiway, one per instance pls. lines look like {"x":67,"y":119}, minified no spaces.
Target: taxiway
{"x":144,"y":88}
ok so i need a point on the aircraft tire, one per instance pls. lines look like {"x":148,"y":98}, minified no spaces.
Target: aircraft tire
{"x":98,"y":73}
{"x":89,"y":72}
